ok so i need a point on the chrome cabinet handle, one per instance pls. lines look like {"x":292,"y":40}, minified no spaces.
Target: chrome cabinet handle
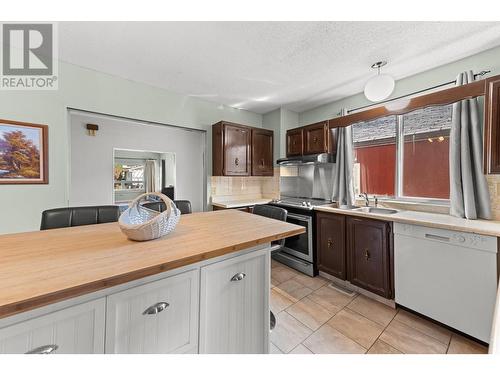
{"x":44,"y":349}
{"x":156,"y":308}
{"x":238,"y":277}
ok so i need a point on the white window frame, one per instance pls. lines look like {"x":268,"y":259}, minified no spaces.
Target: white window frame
{"x":398,"y":180}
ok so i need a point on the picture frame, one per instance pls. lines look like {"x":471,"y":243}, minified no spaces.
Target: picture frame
{"x":23,"y":153}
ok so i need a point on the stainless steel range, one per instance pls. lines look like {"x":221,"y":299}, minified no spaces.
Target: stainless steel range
{"x":298,"y":251}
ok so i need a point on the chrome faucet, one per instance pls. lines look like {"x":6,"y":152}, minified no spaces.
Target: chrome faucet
{"x":365,"y":196}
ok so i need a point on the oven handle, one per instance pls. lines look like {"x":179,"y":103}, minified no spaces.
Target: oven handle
{"x":300,"y":217}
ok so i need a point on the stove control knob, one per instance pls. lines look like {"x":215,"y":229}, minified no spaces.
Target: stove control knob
{"x":304,"y":204}
{"x":309,"y":204}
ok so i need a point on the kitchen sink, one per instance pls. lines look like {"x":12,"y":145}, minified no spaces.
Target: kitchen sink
{"x":376,"y":210}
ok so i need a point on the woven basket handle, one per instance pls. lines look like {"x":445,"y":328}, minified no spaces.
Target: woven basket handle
{"x":168,"y":202}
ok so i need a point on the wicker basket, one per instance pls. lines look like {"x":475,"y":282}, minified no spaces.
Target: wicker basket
{"x":139,"y":223}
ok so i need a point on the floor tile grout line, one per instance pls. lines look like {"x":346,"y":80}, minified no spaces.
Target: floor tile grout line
{"x":378,"y":337}
{"x":423,"y":333}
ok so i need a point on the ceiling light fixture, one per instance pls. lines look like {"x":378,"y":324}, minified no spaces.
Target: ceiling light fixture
{"x":381,"y":86}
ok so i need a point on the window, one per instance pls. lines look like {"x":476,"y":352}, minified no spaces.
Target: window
{"x":406,"y":156}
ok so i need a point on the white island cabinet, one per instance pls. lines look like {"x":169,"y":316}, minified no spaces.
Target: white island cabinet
{"x":234,"y":307}
{"x":158,"y":317}
{"x":221,"y":303}
{"x":75,"y":330}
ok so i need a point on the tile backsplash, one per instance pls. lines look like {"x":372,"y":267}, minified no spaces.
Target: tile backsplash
{"x":240,"y":188}
{"x":494,"y":186}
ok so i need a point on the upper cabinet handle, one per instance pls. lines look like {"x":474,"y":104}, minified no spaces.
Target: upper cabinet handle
{"x":156,"y":308}
{"x":315,"y":139}
{"x":236,"y":161}
{"x":329,"y":242}
{"x":44,"y":349}
{"x":262,"y":162}
{"x":238,"y":276}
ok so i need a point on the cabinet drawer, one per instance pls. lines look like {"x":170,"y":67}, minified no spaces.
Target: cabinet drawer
{"x":235,"y":305}
{"x":75,"y":330}
{"x":159,"y":317}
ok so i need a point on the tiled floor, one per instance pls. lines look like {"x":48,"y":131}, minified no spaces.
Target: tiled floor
{"x":312,"y":317}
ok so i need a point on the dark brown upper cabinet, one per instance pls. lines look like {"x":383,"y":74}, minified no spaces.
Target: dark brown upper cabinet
{"x":262,"y":152}
{"x":330,"y":244}
{"x":492,"y":126}
{"x":294,"y":142}
{"x":235,"y":149}
{"x":369,"y":248}
{"x":332,"y":138}
{"x":316,"y":138}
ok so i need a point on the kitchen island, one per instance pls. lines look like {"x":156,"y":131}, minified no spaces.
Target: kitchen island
{"x":207,"y":279}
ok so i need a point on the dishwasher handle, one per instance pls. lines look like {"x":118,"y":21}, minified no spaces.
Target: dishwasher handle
{"x":435,"y":237}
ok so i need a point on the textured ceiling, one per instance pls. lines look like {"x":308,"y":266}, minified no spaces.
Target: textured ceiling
{"x":260,"y":66}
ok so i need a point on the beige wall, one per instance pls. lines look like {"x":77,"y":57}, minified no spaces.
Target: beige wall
{"x":86,"y":89}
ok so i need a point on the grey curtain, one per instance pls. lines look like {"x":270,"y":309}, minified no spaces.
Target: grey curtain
{"x":469,"y":195}
{"x":343,"y":189}
{"x":150,"y":176}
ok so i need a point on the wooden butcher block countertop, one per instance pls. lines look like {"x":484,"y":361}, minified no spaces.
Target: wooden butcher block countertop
{"x":40,"y":268}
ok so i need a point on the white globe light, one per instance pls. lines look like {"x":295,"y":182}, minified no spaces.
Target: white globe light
{"x":379,"y":87}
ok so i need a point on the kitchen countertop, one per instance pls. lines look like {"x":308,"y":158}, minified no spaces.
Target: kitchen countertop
{"x":44,"y":267}
{"x":486,"y":227}
{"x":241,"y":203}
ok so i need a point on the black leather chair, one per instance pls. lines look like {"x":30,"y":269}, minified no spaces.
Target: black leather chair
{"x":272,"y":212}
{"x":183,"y":206}
{"x":276,"y":213}
{"x":75,"y":216}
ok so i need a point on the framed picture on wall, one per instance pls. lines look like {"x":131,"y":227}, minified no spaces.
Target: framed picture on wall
{"x":23,"y":153}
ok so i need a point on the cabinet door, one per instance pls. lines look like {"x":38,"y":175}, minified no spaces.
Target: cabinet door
{"x":369,"y":244}
{"x":75,"y":330}
{"x":159,"y":317}
{"x":294,"y":142}
{"x":262,"y":152}
{"x":316,"y":138}
{"x":234,"y":306}
{"x":236,"y":150}
{"x":331,"y":244}
{"x":492,"y":127}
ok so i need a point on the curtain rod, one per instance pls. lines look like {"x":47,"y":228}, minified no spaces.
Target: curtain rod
{"x":481,"y":73}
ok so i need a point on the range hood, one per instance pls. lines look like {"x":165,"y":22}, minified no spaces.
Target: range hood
{"x":307,"y":159}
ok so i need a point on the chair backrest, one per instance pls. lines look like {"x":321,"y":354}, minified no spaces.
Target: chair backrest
{"x":272,"y":212}
{"x":183,"y":206}
{"x":74,"y":216}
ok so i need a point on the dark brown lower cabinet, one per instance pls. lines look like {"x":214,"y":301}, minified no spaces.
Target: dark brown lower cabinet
{"x":369,"y":245}
{"x":330,"y":241}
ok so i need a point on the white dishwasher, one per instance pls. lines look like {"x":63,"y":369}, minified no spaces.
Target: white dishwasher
{"x":448,"y":276}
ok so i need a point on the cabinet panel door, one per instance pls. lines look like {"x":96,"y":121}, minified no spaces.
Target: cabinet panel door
{"x":331,"y":244}
{"x":75,"y":330}
{"x":262,"y":152}
{"x":316,"y":138}
{"x":492,"y":127}
{"x":236,"y":150}
{"x":294,"y":142}
{"x":369,"y":254}
{"x":234,"y":305}
{"x":169,"y":327}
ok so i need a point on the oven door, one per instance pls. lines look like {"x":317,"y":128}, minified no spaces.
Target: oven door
{"x":300,"y":246}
